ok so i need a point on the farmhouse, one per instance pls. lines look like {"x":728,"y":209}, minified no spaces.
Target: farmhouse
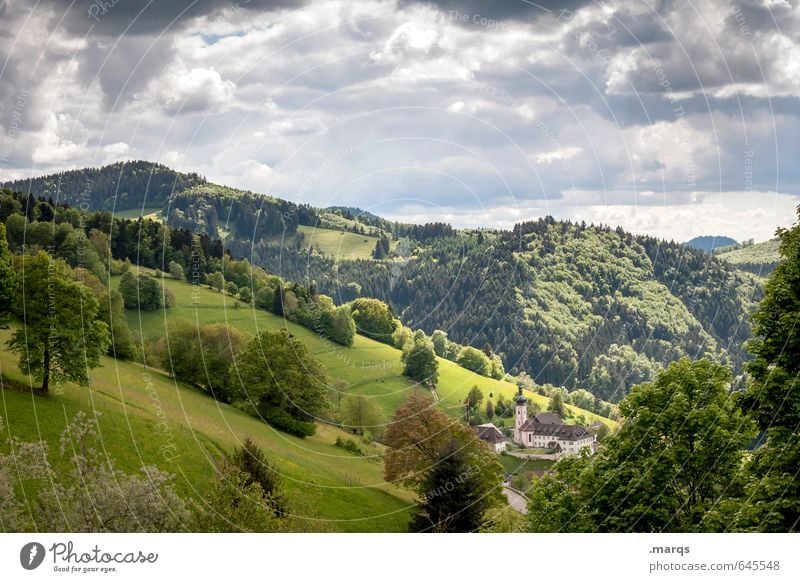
{"x":547,"y":430}
{"x":490,"y":434}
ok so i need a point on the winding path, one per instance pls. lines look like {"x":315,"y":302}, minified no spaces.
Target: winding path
{"x":516,"y":500}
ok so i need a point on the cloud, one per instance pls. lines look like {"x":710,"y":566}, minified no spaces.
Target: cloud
{"x":558,"y":154}
{"x":389,"y":104}
{"x":740,"y":215}
{"x":189,"y":91}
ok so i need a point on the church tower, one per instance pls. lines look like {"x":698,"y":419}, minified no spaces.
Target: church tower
{"x":520,"y":415}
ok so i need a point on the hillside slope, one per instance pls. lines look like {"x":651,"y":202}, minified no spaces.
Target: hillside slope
{"x":336,"y":490}
{"x":759,"y":259}
{"x":571,"y":305}
{"x":367,"y":367}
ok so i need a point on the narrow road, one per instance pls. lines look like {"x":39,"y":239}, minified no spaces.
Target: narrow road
{"x":516,"y":501}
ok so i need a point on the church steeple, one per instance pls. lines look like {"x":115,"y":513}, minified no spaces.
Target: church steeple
{"x":521,"y":414}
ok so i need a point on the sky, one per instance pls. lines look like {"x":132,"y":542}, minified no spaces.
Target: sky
{"x":672,"y":118}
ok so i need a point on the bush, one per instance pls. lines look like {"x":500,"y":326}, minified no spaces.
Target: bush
{"x":143,"y":292}
{"x":374,"y":319}
{"x":245,"y":294}
{"x":349,"y":445}
{"x":475,"y":360}
{"x":264,"y":298}
{"x":285,"y":422}
{"x":175,"y":270}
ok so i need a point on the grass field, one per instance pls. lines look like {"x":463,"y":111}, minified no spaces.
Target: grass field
{"x":337,"y":491}
{"x":514,"y":466}
{"x":134,"y":213}
{"x":338,"y":244}
{"x":368,"y":367}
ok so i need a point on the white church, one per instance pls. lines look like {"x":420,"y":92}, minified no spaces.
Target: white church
{"x":547,"y":430}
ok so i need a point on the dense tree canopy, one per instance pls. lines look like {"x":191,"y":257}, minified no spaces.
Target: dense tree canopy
{"x":7,"y":279}
{"x":420,"y":437}
{"x":420,"y":361}
{"x":676,"y":455}
{"x":281,"y":380}
{"x":771,"y":501}
{"x":374,"y":319}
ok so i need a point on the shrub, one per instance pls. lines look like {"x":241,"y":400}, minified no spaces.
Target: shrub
{"x":283,"y":421}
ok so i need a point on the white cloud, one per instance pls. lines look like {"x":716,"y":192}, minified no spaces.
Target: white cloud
{"x":182,"y":90}
{"x":740,"y":215}
{"x":558,"y":154}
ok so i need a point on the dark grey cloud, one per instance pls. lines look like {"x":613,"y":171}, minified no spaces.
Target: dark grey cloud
{"x":502,"y":10}
{"x":754,"y":16}
{"x":124,"y":66}
{"x":149,"y":17}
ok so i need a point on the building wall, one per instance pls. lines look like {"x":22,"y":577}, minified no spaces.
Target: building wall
{"x":532,"y":440}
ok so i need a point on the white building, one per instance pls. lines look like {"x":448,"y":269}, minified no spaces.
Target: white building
{"x":546,"y":430}
{"x":490,"y":434}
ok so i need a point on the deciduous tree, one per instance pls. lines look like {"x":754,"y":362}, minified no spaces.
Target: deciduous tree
{"x":362,"y":413}
{"x":418,"y":439}
{"x":62,"y":337}
{"x":771,"y":501}
{"x":280,"y":377}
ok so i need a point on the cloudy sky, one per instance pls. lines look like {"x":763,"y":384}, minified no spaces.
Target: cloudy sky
{"x":674,"y":118}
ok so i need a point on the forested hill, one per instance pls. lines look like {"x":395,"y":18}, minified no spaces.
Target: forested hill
{"x":572,"y":305}
{"x":120,"y":186}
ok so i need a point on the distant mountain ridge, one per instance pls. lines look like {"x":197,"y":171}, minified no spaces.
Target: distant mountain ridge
{"x":710,"y":243}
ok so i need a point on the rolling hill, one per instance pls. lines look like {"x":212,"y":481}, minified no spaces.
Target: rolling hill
{"x":333,"y":489}
{"x":759,"y":259}
{"x":369,"y":367}
{"x":573,"y":305}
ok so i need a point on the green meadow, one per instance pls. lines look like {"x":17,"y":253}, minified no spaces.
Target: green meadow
{"x":147,"y":418}
{"x":367,"y":367}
